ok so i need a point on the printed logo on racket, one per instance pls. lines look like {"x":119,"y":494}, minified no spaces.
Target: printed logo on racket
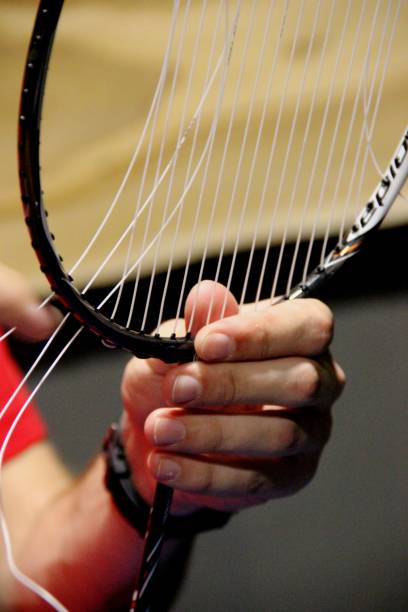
{"x":382,"y":197}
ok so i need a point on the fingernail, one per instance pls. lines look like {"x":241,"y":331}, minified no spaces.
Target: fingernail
{"x":217,"y":347}
{"x":164,"y":468}
{"x":168,"y":431}
{"x":185,"y":389}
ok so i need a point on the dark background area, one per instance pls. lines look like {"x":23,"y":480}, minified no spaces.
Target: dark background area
{"x":342,"y":543}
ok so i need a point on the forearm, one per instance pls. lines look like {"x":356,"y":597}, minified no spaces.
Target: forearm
{"x":83,"y":551}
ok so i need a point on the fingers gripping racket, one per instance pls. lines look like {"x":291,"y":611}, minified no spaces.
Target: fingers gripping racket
{"x":252,"y":167}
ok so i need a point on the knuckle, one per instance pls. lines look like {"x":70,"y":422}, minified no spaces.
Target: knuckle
{"x":262,"y":336}
{"x":256,"y":486}
{"x":307,"y":381}
{"x":263,"y":342}
{"x":323,"y":326}
{"x":205,"y":479}
{"x":227,"y":391}
{"x":288,"y":437}
{"x":217,"y":441}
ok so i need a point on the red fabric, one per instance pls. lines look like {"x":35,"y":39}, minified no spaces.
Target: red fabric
{"x":31,"y":427}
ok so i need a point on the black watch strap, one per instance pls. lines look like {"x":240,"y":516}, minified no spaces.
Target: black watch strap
{"x":118,"y":480}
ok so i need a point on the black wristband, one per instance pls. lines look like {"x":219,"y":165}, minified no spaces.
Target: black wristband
{"x":118,"y":481}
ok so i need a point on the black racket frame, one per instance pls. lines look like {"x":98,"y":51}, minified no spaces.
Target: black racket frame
{"x":172,"y":349}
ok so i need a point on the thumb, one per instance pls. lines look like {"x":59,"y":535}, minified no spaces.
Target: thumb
{"x":208,"y":301}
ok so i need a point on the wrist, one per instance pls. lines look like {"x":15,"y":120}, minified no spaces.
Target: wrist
{"x":132,"y":505}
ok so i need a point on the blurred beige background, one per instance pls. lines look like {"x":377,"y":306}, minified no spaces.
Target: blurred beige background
{"x":107,"y":62}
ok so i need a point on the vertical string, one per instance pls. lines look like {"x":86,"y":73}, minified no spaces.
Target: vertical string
{"x":357,"y":162}
{"x":198,"y":206}
{"x":271,"y":156}
{"x":368,"y":129}
{"x":329,"y":98}
{"x":333,"y":136}
{"x":288,"y":150}
{"x":134,"y":157}
{"x":190,"y":161}
{"x":220,"y":175}
{"x":231,"y":204}
{"x":146,"y":166}
{"x":168,"y":114}
{"x":204,"y":154}
{"x":22,"y":578}
{"x":340,"y":169}
{"x":299,"y":166}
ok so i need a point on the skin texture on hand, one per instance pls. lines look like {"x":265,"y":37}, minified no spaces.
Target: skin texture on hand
{"x":20,"y":308}
{"x":248,"y":420}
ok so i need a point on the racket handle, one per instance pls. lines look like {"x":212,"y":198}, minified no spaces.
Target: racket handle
{"x":154,"y":539}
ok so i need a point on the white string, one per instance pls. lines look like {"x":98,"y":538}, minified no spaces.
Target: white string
{"x":11,"y":331}
{"x":320,"y":141}
{"x":288,"y":151}
{"x":22,"y":578}
{"x":367,"y":128}
{"x":131,"y":163}
{"x":169,"y":111}
{"x":222,"y":166}
{"x":189,"y":164}
{"x":334,"y":137}
{"x":157,"y":102}
{"x":305,"y":207}
{"x":154,"y":191}
{"x":205,"y":174}
{"x":257,"y":148}
{"x":177,"y":205}
{"x":357,"y":162}
{"x":369,"y":131}
{"x":190,"y":177}
{"x":33,"y":366}
{"x":238,"y":171}
{"x":347,"y":142}
{"x":199,"y":204}
{"x":272,"y":157}
{"x":221,"y":171}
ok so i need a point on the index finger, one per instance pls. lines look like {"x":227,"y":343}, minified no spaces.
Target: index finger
{"x":294,"y":327}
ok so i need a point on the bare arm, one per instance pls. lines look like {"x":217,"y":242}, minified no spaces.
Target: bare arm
{"x":252,"y":418}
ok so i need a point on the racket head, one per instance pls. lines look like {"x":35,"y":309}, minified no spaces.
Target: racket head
{"x":136,"y":338}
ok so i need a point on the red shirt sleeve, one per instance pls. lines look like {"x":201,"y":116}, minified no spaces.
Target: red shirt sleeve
{"x":31,"y":427}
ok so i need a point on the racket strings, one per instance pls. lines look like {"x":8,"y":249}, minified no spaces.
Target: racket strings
{"x":132,"y":161}
{"x":358,"y":150}
{"x":189,"y":166}
{"x":283,"y":178}
{"x":19,"y":575}
{"x":199,"y":205}
{"x":333,"y":205}
{"x":153,"y":129}
{"x":152,"y":195}
{"x":227,"y":53}
{"x":307,"y":199}
{"x":234,"y":192}
{"x":227,"y":143}
{"x":168,"y":114}
{"x":176,"y":207}
{"x":262,"y":202}
{"x":317,"y":156}
{"x":387,"y":40}
{"x":340,"y":121}
{"x":197,"y":167}
{"x":277,"y":203}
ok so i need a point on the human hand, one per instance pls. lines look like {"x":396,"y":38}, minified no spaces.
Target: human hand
{"x":20,"y":308}
{"x":249,"y":420}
